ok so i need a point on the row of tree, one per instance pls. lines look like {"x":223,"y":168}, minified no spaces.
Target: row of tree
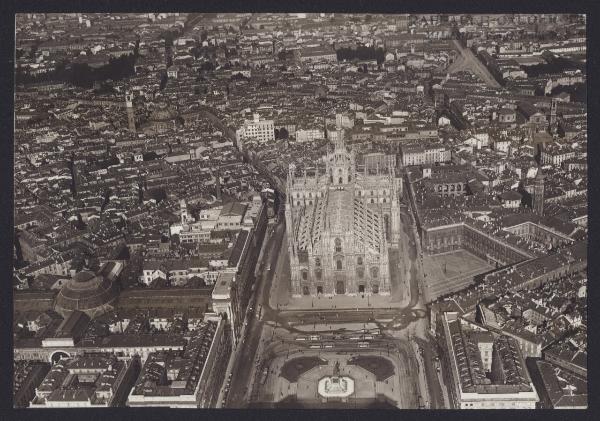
{"x":553,"y":65}
{"x":81,"y":74}
{"x":361,"y":53}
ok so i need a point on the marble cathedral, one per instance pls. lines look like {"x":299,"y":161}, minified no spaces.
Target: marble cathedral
{"x":341,"y":220}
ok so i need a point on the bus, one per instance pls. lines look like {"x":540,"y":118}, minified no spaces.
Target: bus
{"x":354,"y":338}
{"x":315,"y":337}
{"x":363,"y":344}
{"x":328,"y":345}
{"x":367,"y":337}
{"x":301,"y":338}
{"x":315,"y":346}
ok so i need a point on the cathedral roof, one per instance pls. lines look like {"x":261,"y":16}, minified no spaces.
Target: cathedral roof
{"x":339,"y":213}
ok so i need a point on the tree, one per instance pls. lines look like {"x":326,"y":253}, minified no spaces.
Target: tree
{"x":285,"y":55}
{"x":283,"y":133}
{"x":206,"y":66}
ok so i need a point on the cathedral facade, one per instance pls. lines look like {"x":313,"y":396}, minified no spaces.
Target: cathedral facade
{"x":341,"y":219}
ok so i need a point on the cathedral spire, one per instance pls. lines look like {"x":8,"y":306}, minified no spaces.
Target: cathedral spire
{"x":340,"y":144}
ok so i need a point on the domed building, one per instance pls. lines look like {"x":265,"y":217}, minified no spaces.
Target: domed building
{"x":87,"y":292}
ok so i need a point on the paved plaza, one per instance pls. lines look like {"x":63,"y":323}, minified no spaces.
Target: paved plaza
{"x":452,"y":271}
{"x":373,"y":376}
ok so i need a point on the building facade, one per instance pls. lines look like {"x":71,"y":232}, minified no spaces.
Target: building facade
{"x":478,"y":381}
{"x":341,"y":219}
{"x":262,"y":130}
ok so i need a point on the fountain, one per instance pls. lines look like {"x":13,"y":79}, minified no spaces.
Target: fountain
{"x":336,"y":386}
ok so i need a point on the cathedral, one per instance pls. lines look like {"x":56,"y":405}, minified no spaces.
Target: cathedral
{"x":341,"y":219}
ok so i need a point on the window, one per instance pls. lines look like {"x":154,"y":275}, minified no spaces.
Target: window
{"x":318,"y":274}
{"x":359,"y":260}
{"x":338,"y":245}
{"x":317,"y":262}
{"x":304,"y":275}
{"x":374,"y":272}
{"x":305,"y":290}
{"x":339,"y":264}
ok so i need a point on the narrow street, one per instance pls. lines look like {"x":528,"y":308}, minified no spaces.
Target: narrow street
{"x":245,"y":355}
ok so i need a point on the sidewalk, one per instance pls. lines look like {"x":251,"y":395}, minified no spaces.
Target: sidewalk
{"x":321,"y":327}
{"x":421,"y":375}
{"x":341,"y":302}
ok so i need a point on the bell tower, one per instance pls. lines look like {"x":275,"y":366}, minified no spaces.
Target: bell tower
{"x":538,"y":193}
{"x":183,"y":212}
{"x":130,"y":111}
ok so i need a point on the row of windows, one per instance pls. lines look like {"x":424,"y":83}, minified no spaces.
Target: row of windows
{"x":360,"y":271}
{"x":359,"y":259}
{"x":310,"y":195}
{"x":361,"y":289}
{"x":450,"y":187}
{"x":373,"y":193}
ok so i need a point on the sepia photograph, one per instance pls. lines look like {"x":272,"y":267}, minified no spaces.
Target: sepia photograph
{"x":299,"y":211}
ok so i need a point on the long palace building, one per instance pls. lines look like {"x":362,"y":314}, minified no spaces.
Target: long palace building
{"x":341,"y":219}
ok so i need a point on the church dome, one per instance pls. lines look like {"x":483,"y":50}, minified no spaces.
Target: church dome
{"x":87,"y":292}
